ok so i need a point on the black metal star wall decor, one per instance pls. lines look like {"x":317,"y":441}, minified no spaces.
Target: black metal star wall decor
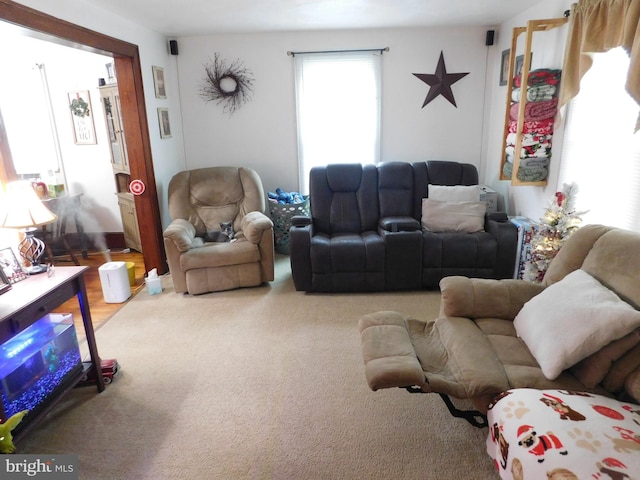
{"x":440,"y":82}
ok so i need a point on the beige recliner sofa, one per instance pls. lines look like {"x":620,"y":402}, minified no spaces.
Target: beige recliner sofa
{"x":201,"y":199}
{"x":472,"y":351}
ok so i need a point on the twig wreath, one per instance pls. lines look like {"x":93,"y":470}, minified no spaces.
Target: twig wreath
{"x":230,"y":85}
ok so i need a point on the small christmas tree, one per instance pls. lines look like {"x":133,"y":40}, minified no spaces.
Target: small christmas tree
{"x":557,"y":224}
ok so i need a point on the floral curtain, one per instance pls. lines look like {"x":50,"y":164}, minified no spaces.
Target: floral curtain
{"x":597,"y":26}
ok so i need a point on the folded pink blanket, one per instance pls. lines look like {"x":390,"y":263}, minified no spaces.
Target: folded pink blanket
{"x":535,"y":111}
{"x":542,"y":127}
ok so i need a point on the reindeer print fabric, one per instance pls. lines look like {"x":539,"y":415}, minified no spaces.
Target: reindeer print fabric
{"x":563,"y":435}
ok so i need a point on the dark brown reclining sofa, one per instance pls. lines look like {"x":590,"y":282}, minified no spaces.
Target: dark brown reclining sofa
{"x":365,"y":234}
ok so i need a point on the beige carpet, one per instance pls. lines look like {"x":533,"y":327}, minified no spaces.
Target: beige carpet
{"x":261,"y":383}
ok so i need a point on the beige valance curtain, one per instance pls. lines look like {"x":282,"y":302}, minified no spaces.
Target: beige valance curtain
{"x":598,"y":26}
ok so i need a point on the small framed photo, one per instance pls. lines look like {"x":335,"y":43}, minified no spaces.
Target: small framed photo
{"x":163,"y":121}
{"x":520,"y":63}
{"x":11,"y":267}
{"x":504,"y":67}
{"x":4,"y":282}
{"x":158,"y":82}
{"x":111,"y":72}
{"x":84,"y":132}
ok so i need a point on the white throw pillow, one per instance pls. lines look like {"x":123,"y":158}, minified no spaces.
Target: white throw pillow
{"x":572,"y":319}
{"x":453,"y":216}
{"x":454,"y":193}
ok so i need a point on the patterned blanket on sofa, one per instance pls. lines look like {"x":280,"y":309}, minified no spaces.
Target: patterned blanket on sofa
{"x":556,"y":434}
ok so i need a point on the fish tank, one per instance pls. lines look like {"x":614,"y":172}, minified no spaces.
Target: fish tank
{"x":37,"y":363}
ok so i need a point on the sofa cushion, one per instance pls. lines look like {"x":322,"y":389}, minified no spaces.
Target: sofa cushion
{"x":220,"y":254}
{"x":465,"y":217}
{"x":571,"y":320}
{"x":454,"y":193}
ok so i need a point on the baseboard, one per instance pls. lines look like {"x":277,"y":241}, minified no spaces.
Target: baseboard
{"x":94,"y":241}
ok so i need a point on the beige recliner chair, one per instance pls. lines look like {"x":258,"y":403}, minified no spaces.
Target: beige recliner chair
{"x":473,"y":351}
{"x":201,"y":199}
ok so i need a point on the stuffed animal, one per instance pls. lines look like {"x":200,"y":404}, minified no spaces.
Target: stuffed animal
{"x":6,"y":439}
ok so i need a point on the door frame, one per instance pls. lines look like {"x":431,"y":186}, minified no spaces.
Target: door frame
{"x":134,"y":115}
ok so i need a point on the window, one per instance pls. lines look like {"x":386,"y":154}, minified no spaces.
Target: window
{"x":338,"y":108}
{"x":27,"y":120}
{"x":601,"y":154}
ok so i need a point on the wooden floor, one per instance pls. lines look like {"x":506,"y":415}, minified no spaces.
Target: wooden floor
{"x":100,"y":310}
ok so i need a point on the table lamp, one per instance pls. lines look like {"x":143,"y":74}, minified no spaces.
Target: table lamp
{"x":21,"y":208}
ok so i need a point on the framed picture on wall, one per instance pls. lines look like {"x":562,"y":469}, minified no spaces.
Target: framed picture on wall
{"x":11,"y":268}
{"x":504,"y":67}
{"x":84,"y":132}
{"x":158,"y":82}
{"x":111,"y":72}
{"x":163,"y":121}
{"x":520,"y":63}
{"x":4,"y":282}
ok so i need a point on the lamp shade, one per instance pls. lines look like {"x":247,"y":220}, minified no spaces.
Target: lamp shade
{"x":20,"y":207}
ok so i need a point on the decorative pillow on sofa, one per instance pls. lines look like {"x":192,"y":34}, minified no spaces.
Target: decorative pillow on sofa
{"x":572,"y":319}
{"x":453,"y":216}
{"x":454,"y":193}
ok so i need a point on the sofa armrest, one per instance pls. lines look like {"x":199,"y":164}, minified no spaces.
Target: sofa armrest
{"x":300,"y":221}
{"x":253,"y":225}
{"x":182,"y":234}
{"x":300,"y":235}
{"x":497,"y":216}
{"x":481,"y":298}
{"x":399,"y":224}
{"x":506,"y":235}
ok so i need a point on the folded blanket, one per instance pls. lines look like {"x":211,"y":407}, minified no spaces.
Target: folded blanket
{"x":526,"y":174}
{"x":528,"y":138}
{"x":540,"y":76}
{"x":535,"y":174}
{"x":535,"y":111}
{"x":537,"y":150}
{"x":529,"y":162}
{"x":538,"y":93}
{"x":543,"y":127}
{"x":534,"y":162}
{"x":507,"y":168}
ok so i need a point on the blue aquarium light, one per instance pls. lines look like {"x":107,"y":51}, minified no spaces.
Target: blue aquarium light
{"x":35,"y":362}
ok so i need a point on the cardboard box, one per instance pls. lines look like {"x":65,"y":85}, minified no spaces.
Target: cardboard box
{"x":490,"y":196}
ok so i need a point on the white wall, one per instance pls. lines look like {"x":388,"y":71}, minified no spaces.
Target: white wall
{"x":262,"y":133}
{"x":87,"y":167}
{"x":548,"y":52}
{"x":168,"y":154}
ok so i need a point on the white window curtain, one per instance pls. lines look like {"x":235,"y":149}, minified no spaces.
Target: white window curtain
{"x":601,"y":153}
{"x":338,"y":109}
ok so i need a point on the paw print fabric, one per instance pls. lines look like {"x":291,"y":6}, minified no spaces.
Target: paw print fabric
{"x":560,"y":434}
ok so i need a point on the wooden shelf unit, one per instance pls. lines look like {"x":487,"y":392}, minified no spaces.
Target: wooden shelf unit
{"x":532,"y":26}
